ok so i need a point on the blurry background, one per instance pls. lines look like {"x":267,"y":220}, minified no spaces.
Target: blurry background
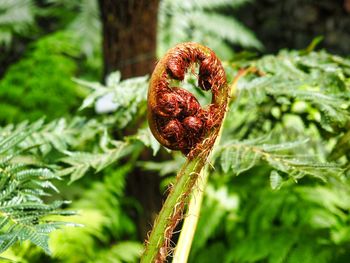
{"x":89,"y":39}
{"x":53,"y":52}
{"x":291,"y":24}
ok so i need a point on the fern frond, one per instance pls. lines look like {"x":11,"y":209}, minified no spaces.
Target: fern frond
{"x":145,"y":136}
{"x":62,"y":139}
{"x":8,"y":142}
{"x":22,"y":209}
{"x":180,"y":22}
{"x":225,"y":28}
{"x":16,"y":17}
{"x":81,"y":162}
{"x":107,"y":231}
{"x":205,"y":4}
{"x":242,"y":156}
{"x":86,"y":27}
{"x":124,"y":98}
{"x":59,"y":135}
{"x":294,"y":83}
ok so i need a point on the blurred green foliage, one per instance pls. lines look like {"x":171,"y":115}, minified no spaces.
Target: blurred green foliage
{"x":40,"y":84}
{"x":79,"y":146}
{"x":203,"y":21}
{"x":287,"y":126}
{"x":105,"y":225}
{"x":285,"y":136}
{"x":17,"y":17}
{"x":49,"y":63}
{"x":279,"y":191}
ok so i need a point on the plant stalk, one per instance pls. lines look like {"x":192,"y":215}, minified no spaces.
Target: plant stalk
{"x":171,"y":214}
{"x":188,"y":230}
{"x":173,"y":206}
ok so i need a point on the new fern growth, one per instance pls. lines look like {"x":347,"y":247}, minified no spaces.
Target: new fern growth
{"x":168,"y":105}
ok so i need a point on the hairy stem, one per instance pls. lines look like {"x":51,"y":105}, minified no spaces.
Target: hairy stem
{"x":177,"y":122}
{"x":188,"y":230}
{"x":172,"y":210}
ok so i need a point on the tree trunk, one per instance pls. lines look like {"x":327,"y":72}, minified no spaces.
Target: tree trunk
{"x":129,"y":36}
{"x":129,"y":45}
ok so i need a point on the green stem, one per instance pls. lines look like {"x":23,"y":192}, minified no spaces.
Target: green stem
{"x":186,"y":178}
{"x":188,"y":230}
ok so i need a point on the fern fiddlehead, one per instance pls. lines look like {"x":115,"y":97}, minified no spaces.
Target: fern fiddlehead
{"x":176,"y":118}
{"x":179,"y":123}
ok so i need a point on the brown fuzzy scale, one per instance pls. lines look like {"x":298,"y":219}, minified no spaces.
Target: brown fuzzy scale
{"x":187,"y":102}
{"x":169,"y":107}
{"x":193,"y":125}
{"x":173,"y":131}
{"x":179,"y":62}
